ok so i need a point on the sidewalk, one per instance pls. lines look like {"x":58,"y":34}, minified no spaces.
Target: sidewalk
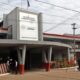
{"x":54,"y":74}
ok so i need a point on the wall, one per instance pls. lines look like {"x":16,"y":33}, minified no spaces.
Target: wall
{"x":11,"y":20}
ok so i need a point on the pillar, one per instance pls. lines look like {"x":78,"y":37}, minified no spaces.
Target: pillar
{"x":21,"y":58}
{"x":69,"y":55}
{"x":49,"y":54}
{"x":44,"y":56}
{"x":44,"y":59}
{"x":48,"y":65}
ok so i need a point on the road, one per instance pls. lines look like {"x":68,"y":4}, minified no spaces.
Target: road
{"x":54,"y":74}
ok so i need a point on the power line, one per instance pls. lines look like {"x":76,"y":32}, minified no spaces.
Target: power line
{"x":53,"y":23}
{"x":29,"y":5}
{"x":58,"y":6}
{"x":55,"y":15}
{"x":44,"y":3}
{"x":59,"y":24}
{"x":78,"y":27}
{"x":47,"y":14}
{"x":10,"y":4}
{"x":43,"y":22}
{"x":50,"y":14}
{"x":4,"y":8}
{"x":35,"y":9}
{"x":5,"y":4}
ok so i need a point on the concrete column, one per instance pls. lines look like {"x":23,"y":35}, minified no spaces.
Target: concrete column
{"x":69,"y":55}
{"x":44,"y":59}
{"x":48,"y":65}
{"x":23,"y":54}
{"x":21,"y":57}
{"x":49,"y":54}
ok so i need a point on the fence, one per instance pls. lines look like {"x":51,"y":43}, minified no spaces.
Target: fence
{"x":3,"y":68}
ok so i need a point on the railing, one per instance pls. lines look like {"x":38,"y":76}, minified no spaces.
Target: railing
{"x":3,"y":68}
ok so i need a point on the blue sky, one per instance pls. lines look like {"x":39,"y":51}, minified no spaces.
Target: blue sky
{"x":55,"y":20}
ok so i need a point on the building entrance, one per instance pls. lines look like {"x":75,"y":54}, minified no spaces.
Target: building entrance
{"x":33,"y":59}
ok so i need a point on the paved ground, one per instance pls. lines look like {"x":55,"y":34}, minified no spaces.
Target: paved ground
{"x":55,"y":74}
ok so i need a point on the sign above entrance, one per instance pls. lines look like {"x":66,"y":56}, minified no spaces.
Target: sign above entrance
{"x":28,"y":26}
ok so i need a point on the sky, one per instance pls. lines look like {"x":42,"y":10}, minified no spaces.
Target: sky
{"x":57,"y":15}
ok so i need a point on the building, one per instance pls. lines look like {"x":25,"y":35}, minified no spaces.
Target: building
{"x":67,"y":39}
{"x":25,"y":42}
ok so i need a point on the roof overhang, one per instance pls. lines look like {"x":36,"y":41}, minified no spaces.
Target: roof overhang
{"x":11,"y":42}
{"x":55,"y":36}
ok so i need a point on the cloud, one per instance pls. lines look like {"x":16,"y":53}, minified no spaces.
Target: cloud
{"x":7,"y":5}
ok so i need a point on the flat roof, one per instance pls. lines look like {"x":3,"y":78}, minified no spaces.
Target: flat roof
{"x":12,"y":42}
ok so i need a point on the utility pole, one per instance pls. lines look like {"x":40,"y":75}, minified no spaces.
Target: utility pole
{"x":74,"y":28}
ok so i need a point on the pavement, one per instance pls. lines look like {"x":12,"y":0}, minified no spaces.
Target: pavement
{"x":54,"y":74}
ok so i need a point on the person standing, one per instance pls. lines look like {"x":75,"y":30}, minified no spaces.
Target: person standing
{"x":8,"y":65}
{"x":16,"y":66}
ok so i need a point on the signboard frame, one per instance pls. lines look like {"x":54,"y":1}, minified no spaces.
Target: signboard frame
{"x":39,"y":25}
